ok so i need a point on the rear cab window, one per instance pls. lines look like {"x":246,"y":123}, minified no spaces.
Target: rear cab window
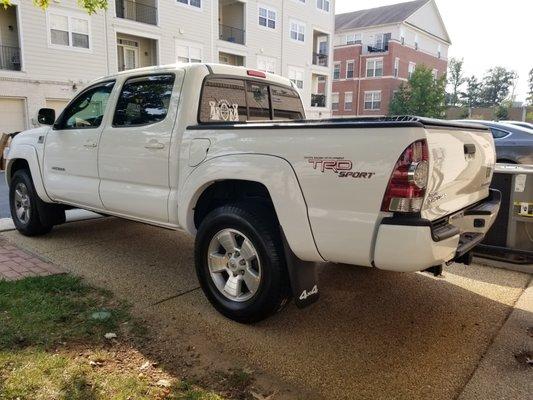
{"x":231,"y":100}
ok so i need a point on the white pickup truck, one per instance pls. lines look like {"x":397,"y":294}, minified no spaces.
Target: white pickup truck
{"x":225,"y":154}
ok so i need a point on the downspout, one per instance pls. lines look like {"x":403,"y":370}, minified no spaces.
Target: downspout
{"x":106,"y":43}
{"x":359,"y":82}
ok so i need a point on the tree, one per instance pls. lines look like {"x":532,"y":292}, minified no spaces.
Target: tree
{"x":91,"y":6}
{"x":423,"y":95}
{"x":471,"y":97}
{"x":496,"y":85}
{"x":455,"y":80}
{"x":530,"y":84}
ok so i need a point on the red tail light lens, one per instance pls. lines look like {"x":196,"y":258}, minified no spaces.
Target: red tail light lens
{"x":407,"y":185}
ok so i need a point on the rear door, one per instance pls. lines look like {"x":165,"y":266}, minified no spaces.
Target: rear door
{"x":461,"y":165}
{"x":134,"y":149}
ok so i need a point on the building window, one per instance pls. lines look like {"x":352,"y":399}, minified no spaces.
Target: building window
{"x":353,"y":38}
{"x":350,"y":66}
{"x":69,"y":31}
{"x":337,"y":71}
{"x":373,"y":100}
{"x":412,"y":67}
{"x":439,"y":51}
{"x":348,"y":101}
{"x":296,"y":75}
{"x":402,"y":36}
{"x":192,"y":3}
{"x":374,"y":67}
{"x":188,"y":53}
{"x":396,"y":67}
{"x":267,"y":64}
{"x":416,"y":42}
{"x":435,"y":73}
{"x":297,"y":31}
{"x":267,"y":17}
{"x":322,"y":5}
{"x":335,"y":101}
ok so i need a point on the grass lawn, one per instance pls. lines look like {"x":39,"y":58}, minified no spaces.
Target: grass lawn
{"x":53,"y":346}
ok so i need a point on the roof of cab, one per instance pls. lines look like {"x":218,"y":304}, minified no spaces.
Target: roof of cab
{"x":205,"y":68}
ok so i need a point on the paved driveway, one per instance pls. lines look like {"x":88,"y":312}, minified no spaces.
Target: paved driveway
{"x":373,"y":334}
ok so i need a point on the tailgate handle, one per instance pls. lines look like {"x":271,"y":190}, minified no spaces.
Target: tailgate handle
{"x":470,"y":148}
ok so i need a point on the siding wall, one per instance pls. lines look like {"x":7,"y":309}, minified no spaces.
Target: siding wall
{"x":52,"y":72}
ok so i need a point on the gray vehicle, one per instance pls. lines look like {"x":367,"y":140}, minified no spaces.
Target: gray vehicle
{"x":521,"y":124}
{"x":514,"y":144}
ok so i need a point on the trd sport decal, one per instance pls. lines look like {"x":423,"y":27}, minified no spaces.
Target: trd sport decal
{"x":339,"y":166}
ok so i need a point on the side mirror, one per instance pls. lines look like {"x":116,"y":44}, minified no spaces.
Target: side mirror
{"x":46,"y":116}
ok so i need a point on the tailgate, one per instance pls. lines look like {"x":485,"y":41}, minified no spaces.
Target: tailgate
{"x":461,"y":165}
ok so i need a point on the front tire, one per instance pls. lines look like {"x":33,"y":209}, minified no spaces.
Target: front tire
{"x":23,"y":202}
{"x":240,"y":262}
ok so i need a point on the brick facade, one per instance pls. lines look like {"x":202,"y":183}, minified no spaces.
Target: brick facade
{"x":386,"y":84}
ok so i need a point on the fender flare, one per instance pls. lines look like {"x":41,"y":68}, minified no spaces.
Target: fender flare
{"x":276,"y":174}
{"x":29,"y":154}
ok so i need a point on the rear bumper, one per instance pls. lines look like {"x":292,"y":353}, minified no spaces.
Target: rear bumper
{"x":410,"y":244}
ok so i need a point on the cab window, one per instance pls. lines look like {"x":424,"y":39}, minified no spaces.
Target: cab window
{"x":240,"y":100}
{"x":87,"y":109}
{"x":223,"y":100}
{"x":144,"y":100}
{"x":286,"y":103}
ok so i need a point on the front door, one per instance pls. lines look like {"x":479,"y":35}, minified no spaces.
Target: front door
{"x":71,"y":148}
{"x":134,"y":151}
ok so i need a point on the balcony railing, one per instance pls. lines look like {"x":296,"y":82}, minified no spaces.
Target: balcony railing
{"x":377,"y":48}
{"x":318,"y":100}
{"x":135,"y":11}
{"x":231,"y":34}
{"x":320,"y":59}
{"x":10,"y":58}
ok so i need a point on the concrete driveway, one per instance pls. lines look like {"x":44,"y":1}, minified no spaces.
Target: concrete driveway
{"x":373,"y":334}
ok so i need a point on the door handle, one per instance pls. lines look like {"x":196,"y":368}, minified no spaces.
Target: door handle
{"x":154,"y":144}
{"x":90,"y":144}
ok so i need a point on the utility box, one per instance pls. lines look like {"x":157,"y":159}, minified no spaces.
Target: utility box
{"x":511,"y":237}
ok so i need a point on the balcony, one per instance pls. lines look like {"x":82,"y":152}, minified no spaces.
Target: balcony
{"x":10,"y":54}
{"x":320,"y":59}
{"x":10,"y":58}
{"x":320,"y":48}
{"x":143,"y":11}
{"x":135,"y":52}
{"x":377,"y":48}
{"x":318,"y":100}
{"x":230,"y":34}
{"x":378,"y":43}
{"x":231,"y":21}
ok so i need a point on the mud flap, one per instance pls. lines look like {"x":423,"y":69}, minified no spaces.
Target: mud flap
{"x":50,"y":214}
{"x":303,"y":276}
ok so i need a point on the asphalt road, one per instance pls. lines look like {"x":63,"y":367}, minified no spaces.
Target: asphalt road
{"x":372,"y":335}
{"x":4,"y":197}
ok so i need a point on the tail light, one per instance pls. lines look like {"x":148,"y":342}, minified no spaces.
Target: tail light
{"x":407,"y":184}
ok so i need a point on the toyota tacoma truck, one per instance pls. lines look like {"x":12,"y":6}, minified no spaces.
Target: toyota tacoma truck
{"x":225,"y":154}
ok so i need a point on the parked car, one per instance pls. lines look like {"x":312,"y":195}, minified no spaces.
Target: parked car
{"x":225,"y":154}
{"x":514,"y":144}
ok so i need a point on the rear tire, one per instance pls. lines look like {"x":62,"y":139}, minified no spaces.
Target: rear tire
{"x":23,"y":202}
{"x":245,"y":279}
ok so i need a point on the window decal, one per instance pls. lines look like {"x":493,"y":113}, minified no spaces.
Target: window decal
{"x":223,"y":111}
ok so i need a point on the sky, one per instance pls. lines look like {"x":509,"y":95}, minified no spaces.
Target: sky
{"x":485,"y":33}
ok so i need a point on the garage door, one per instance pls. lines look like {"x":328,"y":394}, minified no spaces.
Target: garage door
{"x":12,"y":115}
{"x":57,"y":105}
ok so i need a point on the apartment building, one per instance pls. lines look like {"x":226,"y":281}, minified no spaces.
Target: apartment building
{"x":48,"y":56}
{"x":376,"y":50}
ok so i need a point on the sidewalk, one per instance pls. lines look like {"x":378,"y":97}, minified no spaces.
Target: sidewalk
{"x":17,"y":264}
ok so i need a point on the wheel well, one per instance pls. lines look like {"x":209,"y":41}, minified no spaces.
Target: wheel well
{"x":18,"y":164}
{"x":222,"y":192}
